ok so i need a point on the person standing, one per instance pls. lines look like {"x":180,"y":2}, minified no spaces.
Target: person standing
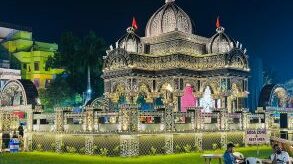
{"x":20,"y":130}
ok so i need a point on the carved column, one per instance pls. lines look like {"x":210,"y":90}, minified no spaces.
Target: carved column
{"x":268,"y":121}
{"x":58,"y":143}
{"x":29,"y":120}
{"x":89,"y":145}
{"x":28,"y":141}
{"x":193,"y":120}
{"x":59,"y":120}
{"x":244,"y":138}
{"x":129,"y":145}
{"x":134,"y":121}
{"x":223,"y":140}
{"x":245,"y":120}
{"x":198,"y":141}
{"x":1,"y":125}
{"x":169,"y":143}
{"x":199,"y":120}
{"x":124,"y":120}
{"x":169,"y":119}
{"x":89,"y":122}
{"x":219,"y":122}
{"x":224,"y":122}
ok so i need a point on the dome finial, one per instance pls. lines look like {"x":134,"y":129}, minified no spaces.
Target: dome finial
{"x":169,"y":1}
{"x":219,"y":29}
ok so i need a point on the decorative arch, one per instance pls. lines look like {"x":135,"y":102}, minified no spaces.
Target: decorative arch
{"x":208,"y":84}
{"x":237,"y":58}
{"x":117,"y":58}
{"x":274,"y":95}
{"x":237,"y":62}
{"x":119,"y":94}
{"x":144,"y":87}
{"x":100,"y":103}
{"x":19,"y":92}
{"x":235,"y":90}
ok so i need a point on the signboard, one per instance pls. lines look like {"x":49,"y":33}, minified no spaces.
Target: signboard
{"x":256,"y":136}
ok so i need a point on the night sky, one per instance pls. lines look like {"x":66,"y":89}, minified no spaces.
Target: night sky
{"x":264,"y":27}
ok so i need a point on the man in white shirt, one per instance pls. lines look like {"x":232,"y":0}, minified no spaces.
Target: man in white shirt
{"x":279,"y":156}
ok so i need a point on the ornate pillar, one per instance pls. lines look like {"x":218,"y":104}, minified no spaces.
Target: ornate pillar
{"x":223,"y":140}
{"x":193,"y":120}
{"x":219,"y":118}
{"x":134,"y":121}
{"x":223,"y":116}
{"x":59,"y":120}
{"x":89,"y":145}
{"x":58,"y":143}
{"x":169,"y":143}
{"x":89,"y":122}
{"x":169,"y":119}
{"x":244,"y":120}
{"x":198,"y":141}
{"x":28,"y":141}
{"x":198,"y":120}
{"x":240,"y":122}
{"x":268,"y":121}
{"x":30,"y":120}
{"x":129,"y":145}
{"x":124,"y":120}
{"x":1,"y":128}
{"x":244,"y":138}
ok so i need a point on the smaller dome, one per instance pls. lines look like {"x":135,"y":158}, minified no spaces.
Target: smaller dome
{"x":220,"y":42}
{"x":130,"y":41}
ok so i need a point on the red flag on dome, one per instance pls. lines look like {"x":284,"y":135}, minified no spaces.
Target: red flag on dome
{"x":218,"y":22}
{"x":134,"y":24}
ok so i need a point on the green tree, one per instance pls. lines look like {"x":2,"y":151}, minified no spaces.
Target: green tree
{"x":58,"y":94}
{"x":75,"y":55}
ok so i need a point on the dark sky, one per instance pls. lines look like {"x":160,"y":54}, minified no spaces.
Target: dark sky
{"x":265,"y":27}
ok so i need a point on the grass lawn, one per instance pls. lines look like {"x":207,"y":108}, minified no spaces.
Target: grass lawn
{"x":54,"y":158}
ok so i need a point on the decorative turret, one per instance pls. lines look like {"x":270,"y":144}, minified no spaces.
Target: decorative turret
{"x":220,"y":42}
{"x":130,"y":41}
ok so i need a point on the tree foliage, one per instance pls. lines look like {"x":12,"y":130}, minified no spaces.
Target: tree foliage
{"x":58,"y":94}
{"x":74,"y":56}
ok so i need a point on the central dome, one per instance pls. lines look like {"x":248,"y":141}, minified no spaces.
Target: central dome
{"x":168,"y":18}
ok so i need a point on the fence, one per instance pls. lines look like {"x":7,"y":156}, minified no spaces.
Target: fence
{"x":132,"y":145}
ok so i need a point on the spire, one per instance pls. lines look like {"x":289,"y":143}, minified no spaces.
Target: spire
{"x":89,"y":88}
{"x":169,"y":1}
{"x":219,"y":28}
{"x":134,"y":24}
{"x":218,"y":24}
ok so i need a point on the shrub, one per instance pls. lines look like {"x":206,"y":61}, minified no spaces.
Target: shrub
{"x":71,"y":149}
{"x":53,"y":147}
{"x":187,"y":148}
{"x":116,"y":150}
{"x":104,"y":152}
{"x":153,"y":151}
{"x":82,"y":150}
{"x":39,"y":147}
{"x":215,"y":146}
{"x":177,"y":148}
{"x":196,"y":148}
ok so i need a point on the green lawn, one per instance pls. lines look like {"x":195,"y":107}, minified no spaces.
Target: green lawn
{"x":54,"y":158}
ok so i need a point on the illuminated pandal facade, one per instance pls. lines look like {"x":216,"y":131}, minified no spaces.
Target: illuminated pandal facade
{"x":152,"y":71}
